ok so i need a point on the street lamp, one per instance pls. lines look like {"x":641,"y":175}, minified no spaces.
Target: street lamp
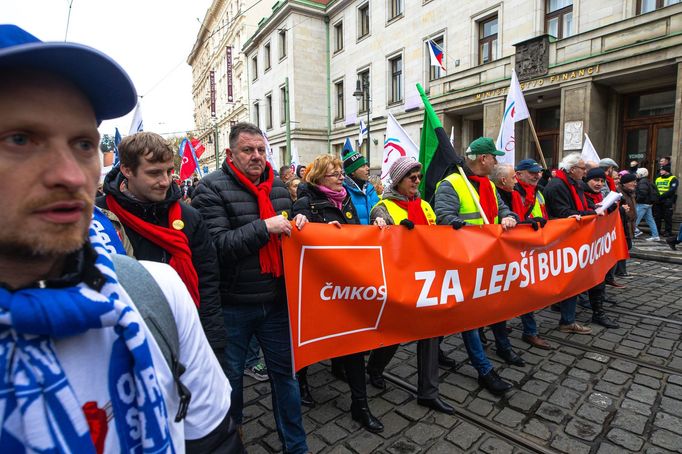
{"x":362,"y":90}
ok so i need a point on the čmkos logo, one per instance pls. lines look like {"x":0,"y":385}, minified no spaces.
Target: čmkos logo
{"x":332,"y":303}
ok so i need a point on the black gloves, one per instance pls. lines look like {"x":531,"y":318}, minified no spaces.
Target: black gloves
{"x":536,"y":223}
{"x":542,"y":221}
{"x":457,"y":224}
{"x":407,"y":223}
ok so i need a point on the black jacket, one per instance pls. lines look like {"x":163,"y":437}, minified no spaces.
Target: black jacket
{"x":559,"y":201}
{"x":646,"y":193}
{"x":233,"y":219}
{"x":204,"y":256}
{"x":317,"y":208}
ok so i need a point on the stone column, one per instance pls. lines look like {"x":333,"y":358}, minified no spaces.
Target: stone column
{"x":676,"y":151}
{"x":586,"y":102}
{"x":492,"y":117}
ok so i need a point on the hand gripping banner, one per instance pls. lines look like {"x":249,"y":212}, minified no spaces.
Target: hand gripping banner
{"x":358,"y":287}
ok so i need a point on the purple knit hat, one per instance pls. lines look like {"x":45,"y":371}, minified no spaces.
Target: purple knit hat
{"x":401,"y":167}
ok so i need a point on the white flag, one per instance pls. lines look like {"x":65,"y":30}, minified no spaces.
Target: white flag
{"x":136,"y":125}
{"x":362,"y":133}
{"x":589,"y":153}
{"x":397,"y":145}
{"x":269,"y":154}
{"x":515,"y":109}
{"x":452,"y":137}
{"x":295,"y":160}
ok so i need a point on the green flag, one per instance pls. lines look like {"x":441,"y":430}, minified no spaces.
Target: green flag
{"x":436,"y":154}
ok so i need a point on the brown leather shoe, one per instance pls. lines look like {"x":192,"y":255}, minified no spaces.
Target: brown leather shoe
{"x":575,"y":328}
{"x":537,"y":341}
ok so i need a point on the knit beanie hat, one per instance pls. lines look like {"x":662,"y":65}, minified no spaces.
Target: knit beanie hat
{"x":666,"y":168}
{"x":352,"y":161}
{"x":401,"y":167}
{"x":597,"y":172}
{"x":628,"y":178}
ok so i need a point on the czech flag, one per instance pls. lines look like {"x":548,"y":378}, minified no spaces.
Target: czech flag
{"x":437,"y":55}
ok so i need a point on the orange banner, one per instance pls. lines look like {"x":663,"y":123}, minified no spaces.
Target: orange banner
{"x":358,"y":287}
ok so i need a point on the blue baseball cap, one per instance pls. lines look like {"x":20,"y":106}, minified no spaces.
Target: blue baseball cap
{"x":107,"y":86}
{"x":529,"y":165}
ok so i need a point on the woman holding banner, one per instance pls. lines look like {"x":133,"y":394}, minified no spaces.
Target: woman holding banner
{"x":401,"y":205}
{"x":324,"y":199}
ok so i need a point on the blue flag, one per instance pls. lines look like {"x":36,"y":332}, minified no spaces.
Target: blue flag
{"x":117,"y":140}
{"x":347,"y":148}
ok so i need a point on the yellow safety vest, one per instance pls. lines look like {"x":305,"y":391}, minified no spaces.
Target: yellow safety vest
{"x":663,"y":184}
{"x":398,"y":213}
{"x":537,"y":208}
{"x":467,"y":207}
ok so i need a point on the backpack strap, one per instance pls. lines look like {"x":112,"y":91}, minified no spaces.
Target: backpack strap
{"x":153,"y":306}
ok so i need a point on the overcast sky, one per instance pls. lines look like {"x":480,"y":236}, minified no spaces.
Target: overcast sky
{"x":150,"y":39}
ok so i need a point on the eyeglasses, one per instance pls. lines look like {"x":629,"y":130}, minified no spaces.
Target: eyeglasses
{"x":581,"y":168}
{"x":336,"y":175}
{"x":415,"y":178}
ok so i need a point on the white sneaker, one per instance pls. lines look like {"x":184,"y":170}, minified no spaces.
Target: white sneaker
{"x":654,"y":238}
{"x":638,"y":233}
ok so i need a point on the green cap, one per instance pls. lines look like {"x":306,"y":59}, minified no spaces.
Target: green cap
{"x":484,"y":145}
{"x":352,"y":161}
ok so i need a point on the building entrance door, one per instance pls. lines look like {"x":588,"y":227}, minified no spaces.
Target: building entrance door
{"x":648,"y":128}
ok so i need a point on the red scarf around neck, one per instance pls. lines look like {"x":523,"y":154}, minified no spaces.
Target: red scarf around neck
{"x":580,"y":203}
{"x":523,"y":206}
{"x":270,"y":255}
{"x":487,"y":197}
{"x":167,"y":238}
{"x":611,"y":183}
{"x":414,"y":210}
{"x":596,"y":197}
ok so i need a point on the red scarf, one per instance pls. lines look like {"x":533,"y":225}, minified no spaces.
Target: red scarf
{"x":487,"y":197}
{"x":524,"y":205}
{"x":580,"y":203}
{"x":414,"y":210}
{"x":611,"y":183}
{"x":167,"y":238}
{"x":270,"y":254}
{"x":596,"y":197}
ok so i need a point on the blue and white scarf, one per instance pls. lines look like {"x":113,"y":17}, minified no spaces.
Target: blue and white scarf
{"x":39,"y":411}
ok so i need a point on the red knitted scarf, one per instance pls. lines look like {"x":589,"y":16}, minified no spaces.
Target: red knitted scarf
{"x":611,"y":183}
{"x":270,"y":254}
{"x":414,"y":210}
{"x":596,"y":197}
{"x":580,"y":203}
{"x":487,"y":197}
{"x":168,"y":238}
{"x":524,"y":205}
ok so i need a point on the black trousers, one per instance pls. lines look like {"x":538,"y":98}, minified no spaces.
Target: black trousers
{"x":427,"y":365}
{"x":663,"y":214}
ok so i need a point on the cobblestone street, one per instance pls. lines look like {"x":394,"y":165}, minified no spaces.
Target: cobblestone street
{"x":616,"y":391}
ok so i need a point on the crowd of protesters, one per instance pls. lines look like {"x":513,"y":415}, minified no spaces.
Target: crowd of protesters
{"x":77,"y":334}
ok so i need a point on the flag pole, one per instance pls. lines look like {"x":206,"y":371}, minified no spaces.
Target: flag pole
{"x":537,"y":141}
{"x":473,"y":195}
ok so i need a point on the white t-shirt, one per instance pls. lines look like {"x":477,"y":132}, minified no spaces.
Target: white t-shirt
{"x":85,"y":360}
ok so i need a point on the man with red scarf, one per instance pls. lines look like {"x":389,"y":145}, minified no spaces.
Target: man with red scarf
{"x":565,"y":198}
{"x":246,"y":210}
{"x":454,"y":205}
{"x":141,"y":193}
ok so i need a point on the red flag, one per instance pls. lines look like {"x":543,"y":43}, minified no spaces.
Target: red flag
{"x":188,"y":161}
{"x":198,"y":147}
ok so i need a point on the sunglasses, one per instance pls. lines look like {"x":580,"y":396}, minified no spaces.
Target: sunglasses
{"x":415,"y":178}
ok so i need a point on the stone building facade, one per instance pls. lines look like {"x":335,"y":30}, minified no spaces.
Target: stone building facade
{"x":611,"y":69}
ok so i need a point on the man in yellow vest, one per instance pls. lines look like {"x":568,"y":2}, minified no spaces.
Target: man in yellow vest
{"x":454,"y":205}
{"x":667,"y":196}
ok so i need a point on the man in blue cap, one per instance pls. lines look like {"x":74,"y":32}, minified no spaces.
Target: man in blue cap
{"x":81,"y":370}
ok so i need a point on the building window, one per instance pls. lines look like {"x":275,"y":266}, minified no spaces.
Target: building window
{"x":268,"y":111}
{"x":395,"y":9}
{"x":338,"y":37}
{"x":254,"y":67}
{"x":435,"y":72}
{"x":338,"y":89}
{"x":559,"y":18}
{"x":487,"y":42}
{"x":282,"y":104}
{"x":646,"y":6}
{"x":363,"y":105}
{"x":282,"y":43}
{"x":363,"y":21}
{"x":395,"y":65}
{"x":256,"y":114}
{"x":267,"y":56}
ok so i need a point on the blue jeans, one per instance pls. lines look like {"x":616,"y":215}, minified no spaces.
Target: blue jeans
{"x":568,"y":310}
{"x":645,"y":211}
{"x":477,"y":356}
{"x":269,"y":322}
{"x":530,"y":327}
{"x":679,"y":235}
{"x":252,"y":354}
